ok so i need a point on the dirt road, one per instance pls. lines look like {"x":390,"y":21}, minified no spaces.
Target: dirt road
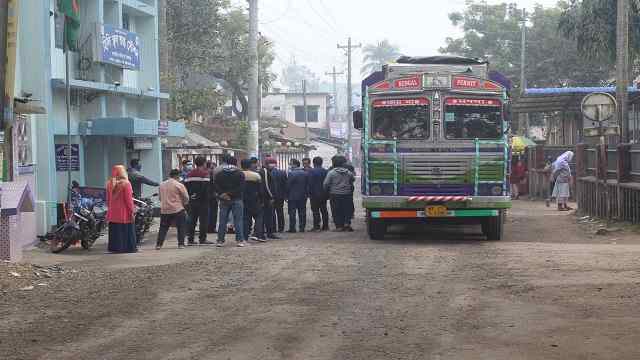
{"x":548,"y":291}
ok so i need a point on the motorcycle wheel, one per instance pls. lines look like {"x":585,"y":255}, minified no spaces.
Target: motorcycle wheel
{"x":62,"y":240}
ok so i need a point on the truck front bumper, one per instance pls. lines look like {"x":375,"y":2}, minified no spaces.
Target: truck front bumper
{"x":409,"y":203}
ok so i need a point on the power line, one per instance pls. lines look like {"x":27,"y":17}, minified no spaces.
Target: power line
{"x":322,"y":17}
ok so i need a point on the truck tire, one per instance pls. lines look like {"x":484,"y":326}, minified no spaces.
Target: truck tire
{"x":493,"y":227}
{"x":376,"y":229}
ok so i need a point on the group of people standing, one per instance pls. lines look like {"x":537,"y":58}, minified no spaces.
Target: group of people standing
{"x":252,"y":198}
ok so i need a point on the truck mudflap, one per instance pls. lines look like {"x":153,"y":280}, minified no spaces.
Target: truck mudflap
{"x":434,"y":212}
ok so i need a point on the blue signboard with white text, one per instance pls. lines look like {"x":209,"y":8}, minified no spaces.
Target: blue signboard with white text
{"x":119,"y":47}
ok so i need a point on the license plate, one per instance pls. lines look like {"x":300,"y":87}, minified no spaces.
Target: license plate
{"x":436,"y":211}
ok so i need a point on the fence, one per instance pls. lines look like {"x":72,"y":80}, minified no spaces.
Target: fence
{"x":283,"y":156}
{"x":608,"y":181}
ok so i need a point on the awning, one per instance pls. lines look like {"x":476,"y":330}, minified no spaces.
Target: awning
{"x":562,"y":99}
{"x":131,"y":127}
{"x":28,"y":108}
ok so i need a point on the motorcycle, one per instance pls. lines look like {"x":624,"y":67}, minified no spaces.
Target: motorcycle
{"x":85,"y":220}
{"x":143,"y":217}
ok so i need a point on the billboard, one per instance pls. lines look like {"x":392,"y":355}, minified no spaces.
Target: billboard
{"x":338,"y":129}
{"x":118,"y":47}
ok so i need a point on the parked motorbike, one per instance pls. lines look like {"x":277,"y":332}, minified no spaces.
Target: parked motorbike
{"x":85,"y":220}
{"x":144,"y":216}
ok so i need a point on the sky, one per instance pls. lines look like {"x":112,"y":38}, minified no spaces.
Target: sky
{"x":310,"y":30}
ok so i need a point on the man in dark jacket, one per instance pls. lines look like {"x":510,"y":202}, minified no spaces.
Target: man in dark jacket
{"x":279,"y":194}
{"x":213,"y":200}
{"x":136,"y":178}
{"x":268,"y":189}
{"x":318,"y":195}
{"x":253,"y":201}
{"x":198,"y":185}
{"x":297,"y":192}
{"x":230,"y":182}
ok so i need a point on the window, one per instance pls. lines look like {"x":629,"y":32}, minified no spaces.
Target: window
{"x":126,"y":21}
{"x":312,"y":113}
{"x":473,"y":119}
{"x":401,"y":119}
{"x":276,"y":108}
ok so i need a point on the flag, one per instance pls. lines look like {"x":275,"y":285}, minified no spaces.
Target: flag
{"x":71,"y":11}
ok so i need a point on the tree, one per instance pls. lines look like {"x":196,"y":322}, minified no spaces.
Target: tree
{"x":493,"y":32}
{"x":592,"y":24}
{"x":294,"y":73}
{"x":377,"y":55}
{"x":207,"y":44}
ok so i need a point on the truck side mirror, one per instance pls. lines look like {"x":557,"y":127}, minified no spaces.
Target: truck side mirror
{"x":357,"y":120}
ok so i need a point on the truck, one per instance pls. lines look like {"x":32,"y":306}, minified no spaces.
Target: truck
{"x":434,"y":142}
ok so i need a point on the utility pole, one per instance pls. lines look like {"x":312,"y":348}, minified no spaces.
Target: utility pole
{"x":349,"y":47}
{"x":523,"y":64}
{"x":306,"y":114}
{"x":7,"y":148}
{"x":253,"y":142}
{"x":334,"y":74}
{"x":622,"y":68}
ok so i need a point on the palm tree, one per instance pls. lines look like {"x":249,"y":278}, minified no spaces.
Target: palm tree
{"x":376,"y":55}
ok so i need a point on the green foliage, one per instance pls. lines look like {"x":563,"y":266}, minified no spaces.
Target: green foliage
{"x":376,"y":55}
{"x":207,"y":42}
{"x":203,"y":101}
{"x":493,"y":32}
{"x":592,"y":24}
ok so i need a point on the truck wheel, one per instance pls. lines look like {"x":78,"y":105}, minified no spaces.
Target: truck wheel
{"x":493,"y":227}
{"x":376,"y":229}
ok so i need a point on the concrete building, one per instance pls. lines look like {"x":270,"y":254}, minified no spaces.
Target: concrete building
{"x":115,"y":101}
{"x":289,"y":107}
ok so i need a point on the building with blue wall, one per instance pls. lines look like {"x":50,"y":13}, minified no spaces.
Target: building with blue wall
{"x":115,"y":96}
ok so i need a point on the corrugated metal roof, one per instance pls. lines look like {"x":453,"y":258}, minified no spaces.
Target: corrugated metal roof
{"x":574,"y":90}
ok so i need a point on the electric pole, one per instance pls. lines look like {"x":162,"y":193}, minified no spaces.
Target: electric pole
{"x":7,"y":148}
{"x":523,"y":64}
{"x":306,"y":115}
{"x":349,"y":47}
{"x":622,"y":68}
{"x":253,"y":143}
{"x":334,"y":74}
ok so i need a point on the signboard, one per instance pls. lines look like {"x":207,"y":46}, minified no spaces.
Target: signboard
{"x":461,"y":82}
{"x":118,"y":47}
{"x":409,"y":83}
{"x":400,"y":102}
{"x":62,"y":157}
{"x":473,"y":102}
{"x":163,"y":128}
{"x":599,"y":111}
{"x":338,"y":129}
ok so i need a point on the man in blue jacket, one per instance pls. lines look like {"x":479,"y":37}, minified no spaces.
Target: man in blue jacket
{"x":318,"y":195}
{"x":297,"y":192}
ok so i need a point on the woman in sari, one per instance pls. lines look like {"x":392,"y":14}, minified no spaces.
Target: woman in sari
{"x":120,"y":213}
{"x":562,"y":175}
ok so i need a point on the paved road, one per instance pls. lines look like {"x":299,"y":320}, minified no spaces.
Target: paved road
{"x":546,"y":292}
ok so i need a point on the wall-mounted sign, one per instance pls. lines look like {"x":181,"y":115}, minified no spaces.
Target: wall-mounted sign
{"x":62,"y":157}
{"x":118,"y":47}
{"x":400,"y":102}
{"x":163,"y":128}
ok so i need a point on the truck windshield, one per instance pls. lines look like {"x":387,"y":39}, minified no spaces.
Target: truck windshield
{"x":400,"y":119}
{"x":473,"y":119}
